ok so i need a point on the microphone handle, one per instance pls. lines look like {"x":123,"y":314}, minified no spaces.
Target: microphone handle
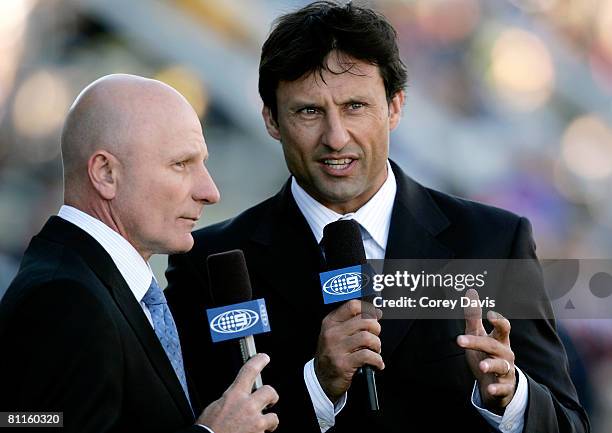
{"x":248,"y":350}
{"x":370,"y":378}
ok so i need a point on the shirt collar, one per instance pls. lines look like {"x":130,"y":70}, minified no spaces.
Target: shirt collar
{"x":133,"y":268}
{"x":374,"y":216}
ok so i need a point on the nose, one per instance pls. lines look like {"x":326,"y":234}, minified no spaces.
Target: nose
{"x":205,"y":190}
{"x":335,"y":135}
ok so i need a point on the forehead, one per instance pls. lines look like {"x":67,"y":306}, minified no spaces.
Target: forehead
{"x":344,"y":77}
{"x":179,"y":135}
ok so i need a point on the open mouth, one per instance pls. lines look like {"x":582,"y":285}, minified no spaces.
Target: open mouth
{"x":338,"y":164}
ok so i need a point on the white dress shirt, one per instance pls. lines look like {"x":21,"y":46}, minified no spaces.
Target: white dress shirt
{"x":374,"y":219}
{"x":134,"y":269}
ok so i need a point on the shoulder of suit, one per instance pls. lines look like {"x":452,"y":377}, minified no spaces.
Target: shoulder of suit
{"x":238,"y":227}
{"x":458,"y":211}
{"x":50,"y":271}
{"x":469,"y":213}
{"x":454,"y":204}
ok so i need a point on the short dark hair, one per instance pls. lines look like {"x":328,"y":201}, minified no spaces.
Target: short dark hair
{"x":300,"y":42}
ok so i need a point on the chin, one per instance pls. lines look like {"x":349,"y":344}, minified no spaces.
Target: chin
{"x":339,"y":197}
{"x":182,"y":247}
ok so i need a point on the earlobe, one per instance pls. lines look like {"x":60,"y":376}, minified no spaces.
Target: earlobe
{"x":102,"y":172}
{"x":395,"y":109}
{"x":271,"y":124}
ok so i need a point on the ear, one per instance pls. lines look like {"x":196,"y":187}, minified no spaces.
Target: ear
{"x":102,"y":169}
{"x":271,"y":124}
{"x":395,"y":109}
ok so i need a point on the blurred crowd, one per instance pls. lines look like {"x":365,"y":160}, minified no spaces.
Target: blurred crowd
{"x":509,"y":103}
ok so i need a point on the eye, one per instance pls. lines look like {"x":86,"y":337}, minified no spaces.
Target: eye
{"x":308,"y":111}
{"x":356,"y":105}
{"x":180,"y":164}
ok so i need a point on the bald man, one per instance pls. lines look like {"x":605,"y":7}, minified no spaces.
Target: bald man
{"x":84,"y":328}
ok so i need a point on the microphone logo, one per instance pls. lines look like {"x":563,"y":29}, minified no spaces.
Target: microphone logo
{"x":343,"y":284}
{"x":238,"y":320}
{"x":233,"y":321}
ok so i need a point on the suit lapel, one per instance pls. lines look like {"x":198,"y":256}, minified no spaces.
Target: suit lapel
{"x":287,"y":254}
{"x":415,"y":222}
{"x":64,"y":232}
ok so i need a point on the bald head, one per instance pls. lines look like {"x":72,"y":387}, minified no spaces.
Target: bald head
{"x":134,"y":158}
{"x":115,"y":113}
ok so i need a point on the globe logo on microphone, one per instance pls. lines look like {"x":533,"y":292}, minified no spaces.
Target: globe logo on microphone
{"x":233,"y":321}
{"x":343,"y":284}
{"x":238,"y":320}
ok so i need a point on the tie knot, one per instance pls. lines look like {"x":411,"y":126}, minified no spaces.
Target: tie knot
{"x":154,"y":295}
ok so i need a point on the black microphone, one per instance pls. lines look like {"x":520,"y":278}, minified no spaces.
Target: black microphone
{"x":343,"y":248}
{"x":230,"y":284}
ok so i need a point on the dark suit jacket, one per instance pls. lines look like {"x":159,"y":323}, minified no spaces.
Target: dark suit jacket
{"x":75,"y":340}
{"x":426,"y":385}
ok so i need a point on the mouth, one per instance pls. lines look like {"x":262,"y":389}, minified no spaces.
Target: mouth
{"x":338,"y":166}
{"x":192,"y":219}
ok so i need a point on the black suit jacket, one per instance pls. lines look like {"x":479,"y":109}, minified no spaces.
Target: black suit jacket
{"x":75,"y":340}
{"x":426,"y":385}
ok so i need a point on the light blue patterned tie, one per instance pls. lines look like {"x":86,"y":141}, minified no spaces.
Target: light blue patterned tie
{"x":165,"y":329}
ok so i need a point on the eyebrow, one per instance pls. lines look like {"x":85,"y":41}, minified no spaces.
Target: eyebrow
{"x":303,"y":103}
{"x":186,"y":156}
{"x":349,"y":99}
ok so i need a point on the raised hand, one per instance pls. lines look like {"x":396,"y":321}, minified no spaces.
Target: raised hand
{"x":489,"y":355}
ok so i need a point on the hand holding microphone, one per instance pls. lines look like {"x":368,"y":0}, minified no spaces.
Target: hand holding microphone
{"x":240,"y":409}
{"x":348,"y":340}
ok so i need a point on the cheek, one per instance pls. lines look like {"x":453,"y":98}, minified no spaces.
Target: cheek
{"x":170,"y":189}
{"x":161,"y":201}
{"x":297,"y":146}
{"x":301,"y":136}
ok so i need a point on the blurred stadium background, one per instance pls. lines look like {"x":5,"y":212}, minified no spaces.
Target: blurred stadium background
{"x":509,"y":103}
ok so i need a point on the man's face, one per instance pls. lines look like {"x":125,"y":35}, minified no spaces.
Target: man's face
{"x":164,"y":185}
{"x":335,"y":131}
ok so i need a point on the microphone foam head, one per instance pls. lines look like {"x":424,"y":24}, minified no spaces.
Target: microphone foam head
{"x":343,"y":245}
{"x":229,"y":278}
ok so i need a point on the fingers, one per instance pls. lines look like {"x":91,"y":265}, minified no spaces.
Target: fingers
{"x":473,"y":315}
{"x":249,"y":371}
{"x":501,"y":327}
{"x":498,"y":366}
{"x":485,"y":344}
{"x":362,"y":340}
{"x":353,"y":308}
{"x":353,"y":335}
{"x":369,"y":311}
{"x":500,"y":390}
{"x":365,"y":357}
{"x":265,"y":396}
{"x":270,"y":422}
{"x":354,"y":324}
{"x":357,"y":324}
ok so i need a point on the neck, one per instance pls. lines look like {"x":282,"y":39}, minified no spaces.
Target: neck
{"x":103,"y":211}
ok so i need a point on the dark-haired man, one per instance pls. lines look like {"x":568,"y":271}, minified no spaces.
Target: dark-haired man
{"x":332,"y":85}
